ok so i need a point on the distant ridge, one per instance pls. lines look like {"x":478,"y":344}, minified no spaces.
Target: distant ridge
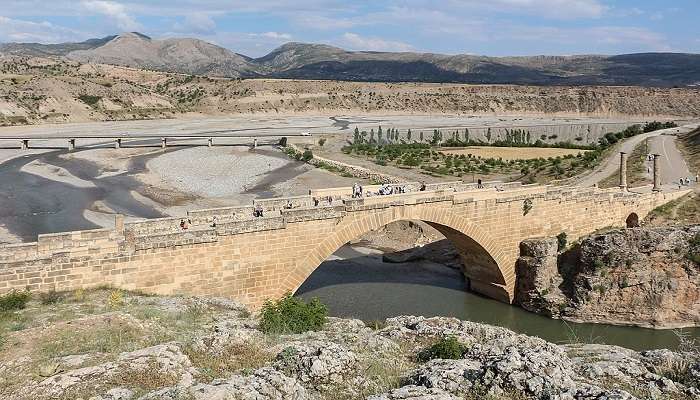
{"x":319,"y":61}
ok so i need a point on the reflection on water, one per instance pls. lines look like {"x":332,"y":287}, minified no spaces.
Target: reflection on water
{"x":366,"y":288}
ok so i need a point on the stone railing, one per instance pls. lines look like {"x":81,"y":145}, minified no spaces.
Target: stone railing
{"x":163,"y":232}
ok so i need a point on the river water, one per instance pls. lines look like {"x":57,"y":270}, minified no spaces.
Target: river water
{"x":363,"y":286}
{"x":352,"y":283}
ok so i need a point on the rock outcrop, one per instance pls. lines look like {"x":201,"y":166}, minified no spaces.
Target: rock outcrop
{"x":639,"y":276}
{"x":228,"y":358}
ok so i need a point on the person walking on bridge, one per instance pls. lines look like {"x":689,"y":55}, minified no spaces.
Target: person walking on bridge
{"x":258,"y":212}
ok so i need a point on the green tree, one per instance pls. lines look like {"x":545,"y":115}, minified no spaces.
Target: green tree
{"x":466,"y":135}
{"x":488,"y":135}
{"x":421,"y":136}
{"x":408,"y":136}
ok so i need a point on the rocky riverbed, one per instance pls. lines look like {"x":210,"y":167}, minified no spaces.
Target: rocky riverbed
{"x":107,"y":344}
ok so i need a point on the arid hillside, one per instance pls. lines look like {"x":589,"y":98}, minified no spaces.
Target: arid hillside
{"x":40,"y":90}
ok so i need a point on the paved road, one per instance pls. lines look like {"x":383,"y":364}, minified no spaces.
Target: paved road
{"x":673,"y":165}
{"x":662,"y":141}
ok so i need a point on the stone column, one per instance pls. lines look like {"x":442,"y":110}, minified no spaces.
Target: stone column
{"x":119,"y":223}
{"x":71,"y":144}
{"x":163,"y":142}
{"x":657,"y":174}
{"x":24,"y":144}
{"x":117,"y":143}
{"x":623,"y":170}
{"x":210,"y":142}
{"x":255,"y":143}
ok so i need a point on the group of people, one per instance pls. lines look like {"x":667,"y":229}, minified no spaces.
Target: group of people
{"x":686,"y":181}
{"x":357,"y":191}
{"x":184,"y":224}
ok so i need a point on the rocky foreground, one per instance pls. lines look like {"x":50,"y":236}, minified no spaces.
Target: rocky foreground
{"x":112,"y":345}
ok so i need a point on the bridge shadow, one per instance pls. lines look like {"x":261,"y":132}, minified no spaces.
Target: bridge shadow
{"x":351,"y":265}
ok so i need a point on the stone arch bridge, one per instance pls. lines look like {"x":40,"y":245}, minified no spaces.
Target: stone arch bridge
{"x":228,"y":252}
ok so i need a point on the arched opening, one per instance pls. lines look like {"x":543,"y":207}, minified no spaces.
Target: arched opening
{"x":365,"y":279}
{"x":632,"y":221}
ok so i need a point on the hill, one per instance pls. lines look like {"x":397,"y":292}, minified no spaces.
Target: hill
{"x":324,"y":62}
{"x":191,"y":56}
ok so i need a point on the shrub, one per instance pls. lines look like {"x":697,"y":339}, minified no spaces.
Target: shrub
{"x":283,"y":141}
{"x":561,"y":241}
{"x":50,"y":297}
{"x":445,"y":348}
{"x":321,"y":142}
{"x":307,"y":155}
{"x":292,"y":315}
{"x":90,"y":100}
{"x":116,"y":299}
{"x":14,"y":300}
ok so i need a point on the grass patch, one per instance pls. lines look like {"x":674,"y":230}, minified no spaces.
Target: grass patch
{"x":448,"y":348}
{"x":233,"y":358}
{"x":292,"y":315}
{"x":114,"y":337}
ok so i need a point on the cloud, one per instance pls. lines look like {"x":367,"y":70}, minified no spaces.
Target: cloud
{"x":354,"y":41}
{"x":113,"y":10}
{"x":196,"y":23}
{"x":558,"y":9}
{"x":16,"y":30}
{"x":274,"y":35}
{"x":600,"y":38}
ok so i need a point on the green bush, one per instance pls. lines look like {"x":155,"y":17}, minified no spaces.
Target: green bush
{"x":561,"y":241}
{"x":307,"y":155}
{"x":292,"y":315}
{"x":445,"y":348}
{"x":50,"y":297}
{"x":14,"y":300}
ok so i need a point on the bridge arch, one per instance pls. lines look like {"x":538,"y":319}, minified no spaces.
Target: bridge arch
{"x":485,"y":264}
{"x":632,"y":220}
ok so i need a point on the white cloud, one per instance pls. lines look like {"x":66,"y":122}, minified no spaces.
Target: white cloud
{"x":274,"y":35}
{"x":354,"y":41}
{"x":601,"y":38}
{"x":16,"y":30}
{"x":196,"y":23}
{"x":113,"y":10}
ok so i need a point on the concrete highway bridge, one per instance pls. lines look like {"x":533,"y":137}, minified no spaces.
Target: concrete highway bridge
{"x":229,"y":252}
{"x":200,"y":139}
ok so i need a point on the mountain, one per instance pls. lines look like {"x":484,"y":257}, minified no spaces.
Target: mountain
{"x":191,"y":56}
{"x":324,"y":62}
{"x":44,"y":50}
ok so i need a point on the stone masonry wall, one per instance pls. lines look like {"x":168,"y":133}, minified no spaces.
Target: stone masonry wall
{"x":255,"y":259}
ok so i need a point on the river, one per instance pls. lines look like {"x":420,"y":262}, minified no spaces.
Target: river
{"x":352,"y":283}
{"x":356,"y":285}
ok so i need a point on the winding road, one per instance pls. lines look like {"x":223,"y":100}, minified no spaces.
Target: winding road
{"x":662,"y":142}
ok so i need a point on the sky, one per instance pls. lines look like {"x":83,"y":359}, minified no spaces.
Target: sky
{"x":485,"y":27}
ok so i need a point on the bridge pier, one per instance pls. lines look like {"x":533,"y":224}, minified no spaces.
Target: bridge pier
{"x":210,"y":142}
{"x":657,"y":174}
{"x":163,"y":142}
{"x":71,"y":144}
{"x":24,"y":144}
{"x":117,"y":143}
{"x":623,"y":170}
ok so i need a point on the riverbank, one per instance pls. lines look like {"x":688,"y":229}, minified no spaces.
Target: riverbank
{"x":108,"y":344}
{"x":58,"y":190}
